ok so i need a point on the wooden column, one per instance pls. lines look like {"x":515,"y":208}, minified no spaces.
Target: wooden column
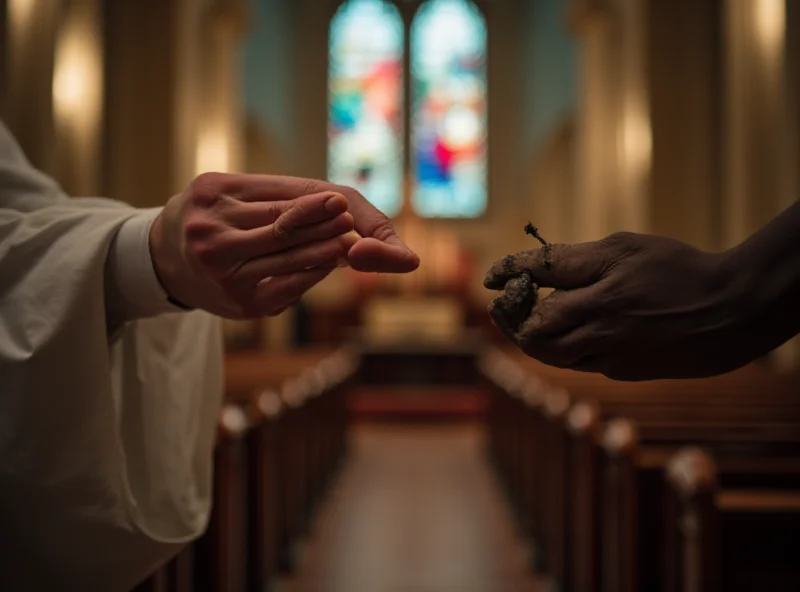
{"x":648,"y":123}
{"x":685,"y":103}
{"x":598,"y":29}
{"x":761,"y":146}
{"x":30,"y":43}
{"x":759,"y":180}
{"x":3,"y":57}
{"x":173,"y":94}
{"x":149,"y":72}
{"x":77,"y":94}
{"x":220,"y":126}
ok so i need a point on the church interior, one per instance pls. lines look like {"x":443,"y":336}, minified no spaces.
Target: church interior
{"x":382,"y":435}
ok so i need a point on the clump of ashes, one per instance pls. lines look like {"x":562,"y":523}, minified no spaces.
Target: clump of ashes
{"x":534,"y":232}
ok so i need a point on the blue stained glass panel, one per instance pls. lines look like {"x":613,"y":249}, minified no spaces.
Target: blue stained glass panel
{"x":449,"y":139}
{"x":365,"y":117}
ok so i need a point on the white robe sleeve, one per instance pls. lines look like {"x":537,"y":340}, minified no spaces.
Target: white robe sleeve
{"x":105,"y":447}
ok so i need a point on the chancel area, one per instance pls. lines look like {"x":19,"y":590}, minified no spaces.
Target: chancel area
{"x":381,"y":434}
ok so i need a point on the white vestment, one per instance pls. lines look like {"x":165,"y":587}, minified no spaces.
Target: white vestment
{"x":107,"y":418}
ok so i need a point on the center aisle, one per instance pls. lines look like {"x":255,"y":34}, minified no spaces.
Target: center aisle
{"x":416,"y":510}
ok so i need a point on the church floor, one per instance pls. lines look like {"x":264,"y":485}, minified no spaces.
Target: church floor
{"x":415,"y":510}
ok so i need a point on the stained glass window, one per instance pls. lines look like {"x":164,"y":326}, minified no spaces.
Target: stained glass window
{"x":365,"y":119}
{"x":448,"y":77}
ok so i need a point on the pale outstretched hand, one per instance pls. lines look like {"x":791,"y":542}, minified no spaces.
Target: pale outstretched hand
{"x":630,"y":306}
{"x":244,"y":246}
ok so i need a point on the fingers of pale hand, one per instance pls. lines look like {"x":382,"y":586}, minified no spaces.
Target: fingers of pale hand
{"x":311,"y":209}
{"x":369,"y":220}
{"x":387,"y":254}
{"x":275,"y":294}
{"x":295,"y":213}
{"x":257,"y":188}
{"x":259,"y":242}
{"x":323,"y":253}
{"x":372,"y":255}
{"x":280,"y":187}
{"x":556,"y":266}
{"x":303,"y":211}
{"x":284,"y":239}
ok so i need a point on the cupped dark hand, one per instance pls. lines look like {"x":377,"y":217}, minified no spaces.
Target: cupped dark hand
{"x":632,"y":307}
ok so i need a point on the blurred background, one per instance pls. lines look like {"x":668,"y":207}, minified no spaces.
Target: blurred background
{"x":462,"y":120}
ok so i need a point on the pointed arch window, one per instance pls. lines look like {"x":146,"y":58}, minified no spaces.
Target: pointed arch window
{"x":439,"y":143}
{"x":365,"y":118}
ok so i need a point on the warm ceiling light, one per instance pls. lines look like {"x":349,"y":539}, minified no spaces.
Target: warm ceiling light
{"x":769,"y":21}
{"x":20,"y":12}
{"x":76,"y":75}
{"x":212,"y":151}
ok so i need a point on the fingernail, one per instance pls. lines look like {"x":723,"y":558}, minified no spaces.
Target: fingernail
{"x":342,"y":262}
{"x":336,"y":203}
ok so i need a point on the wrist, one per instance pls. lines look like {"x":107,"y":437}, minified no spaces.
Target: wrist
{"x":735,"y":279}
{"x":163,"y":261}
{"x":132,"y":288}
{"x":764,"y":284}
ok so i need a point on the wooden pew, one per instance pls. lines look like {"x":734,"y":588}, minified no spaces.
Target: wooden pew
{"x":721,"y":537}
{"x":312,"y":443}
{"x":264,"y":500}
{"x":220,"y":554}
{"x":282,"y":436}
{"x":574,"y":527}
{"x":575,"y":471}
{"x":729,"y":430}
{"x":214,"y":562}
{"x":516,"y":438}
{"x":586,"y":465}
{"x":246,"y":373}
{"x":327,"y":386}
{"x":633,"y":492}
{"x":293,"y":474}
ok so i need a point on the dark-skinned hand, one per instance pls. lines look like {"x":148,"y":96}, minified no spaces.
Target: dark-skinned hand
{"x":630,"y":306}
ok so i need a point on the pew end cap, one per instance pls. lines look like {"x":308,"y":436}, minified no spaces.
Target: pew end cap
{"x":233,"y":421}
{"x":556,"y":403}
{"x":268,"y":403}
{"x":620,"y":437}
{"x":583,"y":418}
{"x":691,"y":471}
